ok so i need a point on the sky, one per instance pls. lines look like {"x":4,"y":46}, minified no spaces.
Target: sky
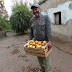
{"x":9,"y":3}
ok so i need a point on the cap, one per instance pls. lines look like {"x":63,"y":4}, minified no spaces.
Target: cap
{"x":35,"y":5}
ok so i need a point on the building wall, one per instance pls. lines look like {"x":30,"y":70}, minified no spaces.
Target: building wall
{"x":52,"y":4}
{"x":63,"y":31}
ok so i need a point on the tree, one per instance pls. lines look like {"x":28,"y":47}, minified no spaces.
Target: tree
{"x":3,"y":15}
{"x":4,"y":24}
{"x":20,"y":18}
{"x":3,"y":11}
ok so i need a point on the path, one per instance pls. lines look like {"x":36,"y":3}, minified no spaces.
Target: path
{"x":14,"y":59}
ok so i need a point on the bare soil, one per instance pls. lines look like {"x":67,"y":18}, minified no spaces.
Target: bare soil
{"x":64,"y":45}
{"x":14,"y":59}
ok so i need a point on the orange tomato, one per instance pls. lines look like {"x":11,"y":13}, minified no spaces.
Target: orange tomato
{"x":33,"y":43}
{"x":39,"y":42}
{"x":43,"y":44}
{"x":36,"y":42}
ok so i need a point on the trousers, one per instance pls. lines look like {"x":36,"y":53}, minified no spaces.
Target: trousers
{"x":45,"y":63}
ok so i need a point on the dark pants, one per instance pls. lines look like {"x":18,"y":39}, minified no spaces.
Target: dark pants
{"x":45,"y":63}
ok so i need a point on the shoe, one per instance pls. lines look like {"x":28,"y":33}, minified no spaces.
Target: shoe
{"x":42,"y":70}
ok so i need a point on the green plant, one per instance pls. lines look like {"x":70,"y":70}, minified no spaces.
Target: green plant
{"x":20,"y":18}
{"x":4,"y":24}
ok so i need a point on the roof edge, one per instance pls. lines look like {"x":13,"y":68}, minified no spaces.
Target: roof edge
{"x":42,"y":2}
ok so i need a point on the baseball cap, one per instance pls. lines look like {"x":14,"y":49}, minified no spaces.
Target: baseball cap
{"x":35,"y":5}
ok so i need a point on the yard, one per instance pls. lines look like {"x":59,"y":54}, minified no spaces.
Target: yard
{"x":14,"y":59}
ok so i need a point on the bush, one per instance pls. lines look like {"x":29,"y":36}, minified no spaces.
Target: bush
{"x":20,"y":18}
{"x":4,"y":24}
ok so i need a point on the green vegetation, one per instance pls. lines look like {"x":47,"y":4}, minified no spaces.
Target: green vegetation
{"x":20,"y":18}
{"x":4,"y":24}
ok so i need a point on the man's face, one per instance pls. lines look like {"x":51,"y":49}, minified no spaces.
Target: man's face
{"x":36,"y":11}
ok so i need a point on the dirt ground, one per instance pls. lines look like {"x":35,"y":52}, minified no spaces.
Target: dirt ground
{"x":62,"y":44}
{"x":14,"y":59}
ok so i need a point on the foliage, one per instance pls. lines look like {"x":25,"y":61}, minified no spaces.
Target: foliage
{"x":4,"y":24}
{"x":3,"y":11}
{"x":20,"y":18}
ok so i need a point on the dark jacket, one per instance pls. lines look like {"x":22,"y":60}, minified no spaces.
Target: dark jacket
{"x":41,"y":30}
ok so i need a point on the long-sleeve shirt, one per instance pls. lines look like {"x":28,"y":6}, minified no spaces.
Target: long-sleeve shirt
{"x":41,"y":30}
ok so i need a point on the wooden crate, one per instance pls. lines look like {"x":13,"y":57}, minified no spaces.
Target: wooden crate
{"x":44,"y":52}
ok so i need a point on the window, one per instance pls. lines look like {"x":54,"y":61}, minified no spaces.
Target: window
{"x":57,"y":18}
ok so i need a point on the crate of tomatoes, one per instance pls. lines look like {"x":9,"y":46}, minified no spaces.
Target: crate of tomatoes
{"x":37,"y":48}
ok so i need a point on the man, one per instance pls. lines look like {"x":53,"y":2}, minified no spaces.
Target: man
{"x":40,"y":27}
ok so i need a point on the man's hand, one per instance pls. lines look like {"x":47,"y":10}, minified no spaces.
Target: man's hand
{"x":49,"y":44}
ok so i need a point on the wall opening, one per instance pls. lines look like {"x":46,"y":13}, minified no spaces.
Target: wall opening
{"x":70,"y":6}
{"x":57,"y":18}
